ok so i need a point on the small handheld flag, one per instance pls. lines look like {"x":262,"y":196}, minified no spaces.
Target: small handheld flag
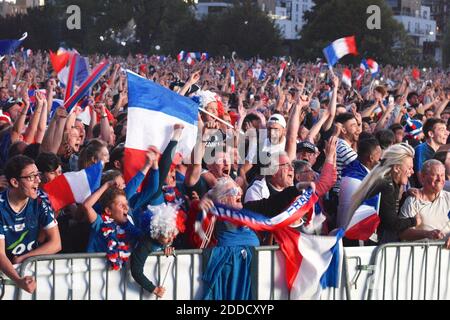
{"x":232,"y":81}
{"x":347,"y":77}
{"x":280,"y":73}
{"x":339,"y":48}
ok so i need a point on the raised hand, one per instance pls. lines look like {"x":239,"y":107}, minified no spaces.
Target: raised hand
{"x":177,"y":131}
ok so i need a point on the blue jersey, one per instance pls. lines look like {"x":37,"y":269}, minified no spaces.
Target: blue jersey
{"x":20,"y":230}
{"x":97,"y":242}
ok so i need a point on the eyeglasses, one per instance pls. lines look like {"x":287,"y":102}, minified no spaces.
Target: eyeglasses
{"x":32,"y":177}
{"x":288,"y":164}
{"x":235,"y":191}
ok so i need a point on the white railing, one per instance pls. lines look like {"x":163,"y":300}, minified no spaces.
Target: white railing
{"x":393,"y":271}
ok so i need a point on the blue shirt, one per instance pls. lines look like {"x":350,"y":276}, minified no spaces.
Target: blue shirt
{"x":20,"y":230}
{"x":97,"y":242}
{"x":423,"y":152}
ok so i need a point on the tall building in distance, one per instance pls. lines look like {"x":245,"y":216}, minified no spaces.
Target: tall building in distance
{"x":287,"y":14}
{"x":420,"y":24}
{"x":18,"y":6}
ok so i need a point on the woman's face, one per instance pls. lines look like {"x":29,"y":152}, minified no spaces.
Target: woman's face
{"x":403,"y":172}
{"x":103,"y":155}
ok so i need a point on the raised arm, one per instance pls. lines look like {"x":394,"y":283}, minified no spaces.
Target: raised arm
{"x":194,"y":169}
{"x":88,"y":204}
{"x":333,"y":103}
{"x":54,"y":135}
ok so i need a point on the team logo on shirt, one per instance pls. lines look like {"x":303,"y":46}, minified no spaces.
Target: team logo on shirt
{"x":19,"y":227}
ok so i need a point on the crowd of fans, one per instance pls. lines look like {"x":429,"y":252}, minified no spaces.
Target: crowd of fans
{"x":381,"y":142}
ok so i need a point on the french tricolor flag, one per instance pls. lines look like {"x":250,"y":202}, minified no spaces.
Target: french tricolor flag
{"x":339,"y":48}
{"x":74,"y":187}
{"x":152,"y":112}
{"x":71,"y":76}
{"x":205,"y":56}
{"x":300,"y":207}
{"x":362,"y":71}
{"x":347,"y":77}
{"x":363,"y":224}
{"x":312,"y":262}
{"x":180,"y":56}
{"x":96,"y":74}
{"x":372,"y":65}
{"x":232,"y":81}
{"x":280,"y":73}
{"x":191,"y":58}
{"x":12,"y":66}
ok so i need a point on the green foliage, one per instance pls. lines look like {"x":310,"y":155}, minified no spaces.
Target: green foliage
{"x":170,"y":24}
{"x":244,"y":28}
{"x":333,"y":19}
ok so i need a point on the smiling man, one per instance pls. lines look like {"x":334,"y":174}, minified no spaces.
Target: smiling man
{"x":24,"y":213}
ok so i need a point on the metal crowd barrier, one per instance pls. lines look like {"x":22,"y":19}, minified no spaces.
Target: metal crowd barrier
{"x":392,"y":271}
{"x":410,"y":271}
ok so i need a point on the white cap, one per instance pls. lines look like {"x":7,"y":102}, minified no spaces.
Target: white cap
{"x":277,"y":118}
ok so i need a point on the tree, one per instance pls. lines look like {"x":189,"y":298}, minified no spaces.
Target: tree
{"x":330,"y":20}
{"x":243,"y":28}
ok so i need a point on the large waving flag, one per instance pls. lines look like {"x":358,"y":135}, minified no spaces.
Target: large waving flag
{"x":96,"y":74}
{"x":339,"y":48}
{"x":300,"y":207}
{"x":312,"y":262}
{"x":9,"y":46}
{"x":152,"y":112}
{"x":74,"y":187}
{"x":70,"y":84}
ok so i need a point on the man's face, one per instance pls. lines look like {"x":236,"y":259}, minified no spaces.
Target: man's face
{"x":4,"y":94}
{"x":375,"y":156}
{"x":440,"y":134}
{"x":52,"y":175}
{"x":434,"y":179}
{"x":399,"y":135}
{"x":285,"y":174}
{"x":351,"y":130}
{"x":221,"y":166}
{"x":28,"y":182}
{"x":212,"y":108}
{"x":14,"y":111}
{"x":413,"y":99}
{"x":305,"y":175}
{"x":307,"y":155}
{"x":275,"y":132}
{"x":119,"y":209}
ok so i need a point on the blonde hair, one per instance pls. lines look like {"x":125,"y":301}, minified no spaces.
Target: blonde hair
{"x":392,"y":156}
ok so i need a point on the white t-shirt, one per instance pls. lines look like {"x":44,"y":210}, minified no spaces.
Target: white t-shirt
{"x":434,"y":214}
{"x":257,"y":191}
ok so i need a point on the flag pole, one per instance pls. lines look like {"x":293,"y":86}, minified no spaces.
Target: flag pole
{"x":229,"y":125}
